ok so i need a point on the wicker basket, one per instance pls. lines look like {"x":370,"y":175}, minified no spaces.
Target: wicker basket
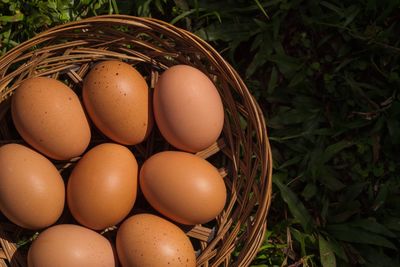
{"x":243,"y":154}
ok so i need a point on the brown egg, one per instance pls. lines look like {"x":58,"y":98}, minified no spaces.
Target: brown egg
{"x":183,"y":187}
{"x":148,"y":240}
{"x":187,"y":108}
{"x":32,"y":192}
{"x":102,"y":187}
{"x":49,"y":116}
{"x":68,"y":245}
{"x":116,"y":98}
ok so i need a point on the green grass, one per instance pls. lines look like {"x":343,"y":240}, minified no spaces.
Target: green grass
{"x":327,"y":76}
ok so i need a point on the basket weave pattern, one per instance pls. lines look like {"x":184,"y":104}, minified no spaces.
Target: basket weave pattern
{"x":243,"y":154}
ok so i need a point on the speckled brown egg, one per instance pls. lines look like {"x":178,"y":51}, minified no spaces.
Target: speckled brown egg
{"x":49,"y":116}
{"x":116,"y":97}
{"x":187,"y":108}
{"x":151,"y":241}
{"x":32,"y":192}
{"x":68,"y":245}
{"x":102,"y":187}
{"x":183,"y":187}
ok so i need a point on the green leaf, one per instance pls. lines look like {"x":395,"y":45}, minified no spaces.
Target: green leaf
{"x":346,"y":232}
{"x":309,"y":191}
{"x":392,"y":223}
{"x":352,"y":12}
{"x":261,"y":56}
{"x":290,"y":116}
{"x":262,"y":8}
{"x":234,"y":32}
{"x":345,"y":211}
{"x":296,"y":207}
{"x":371,"y":225}
{"x":315,"y":164}
{"x":315,"y":66}
{"x":299,"y":237}
{"x":378,"y":170}
{"x":393,"y":126}
{"x":286,"y":64}
{"x":325,"y":207}
{"x":382,"y":196}
{"x":334,"y":149}
{"x":338,"y":249}
{"x":183,"y":15}
{"x":17,"y":17}
{"x":273,"y":80}
{"x":329,"y":178}
{"x":290,"y":162}
{"x":353,"y":191}
{"x":297,"y":78}
{"x":332,"y":7}
{"x":115,"y":7}
{"x":327,"y":256}
{"x":377,"y":258}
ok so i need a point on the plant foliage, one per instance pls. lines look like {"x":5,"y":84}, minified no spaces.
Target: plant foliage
{"x":327,"y":75}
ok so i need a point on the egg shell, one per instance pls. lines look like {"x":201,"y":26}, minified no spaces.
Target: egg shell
{"x":117,"y":99}
{"x":187,"y":108}
{"x":49,"y":116}
{"x":68,"y":245}
{"x":183,"y":187}
{"x":102,"y":187}
{"x":151,"y":241}
{"x":32,"y":192}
